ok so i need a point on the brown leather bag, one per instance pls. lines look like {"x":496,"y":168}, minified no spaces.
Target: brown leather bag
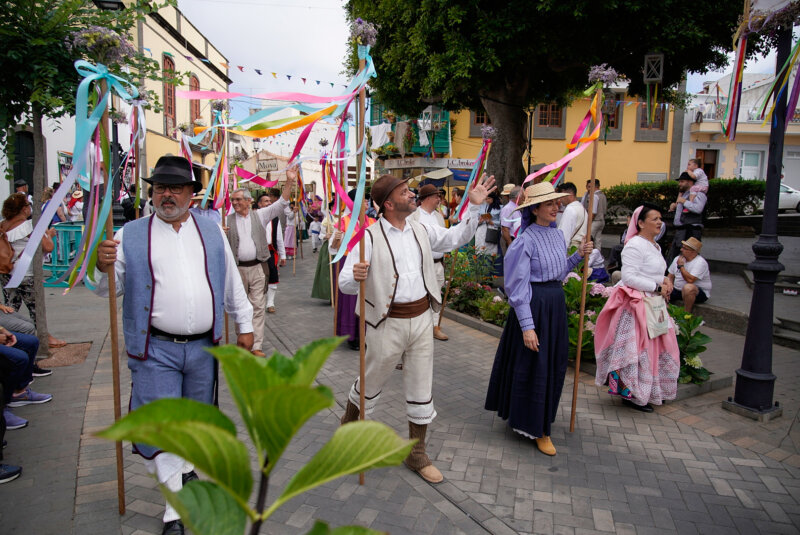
{"x":6,"y":250}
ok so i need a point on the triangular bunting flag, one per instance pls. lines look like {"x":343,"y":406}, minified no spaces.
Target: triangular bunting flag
{"x":150,"y":52}
{"x":304,"y":80}
{"x":258,"y":71}
{"x":289,"y":76}
{"x":224,"y":64}
{"x":317,"y":82}
{"x":240,"y":68}
{"x":275,"y":75}
{"x":331,"y":84}
{"x":190,"y":58}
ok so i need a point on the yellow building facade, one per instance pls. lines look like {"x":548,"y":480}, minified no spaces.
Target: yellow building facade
{"x":170,"y":38}
{"x":633,"y":151}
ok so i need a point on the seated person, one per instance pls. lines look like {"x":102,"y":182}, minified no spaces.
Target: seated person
{"x":20,"y":351}
{"x":690,"y":275}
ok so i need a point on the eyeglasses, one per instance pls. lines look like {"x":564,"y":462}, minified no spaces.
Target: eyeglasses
{"x":173,"y":188}
{"x":237,"y":199}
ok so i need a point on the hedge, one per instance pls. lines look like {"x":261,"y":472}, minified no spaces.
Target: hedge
{"x":727,"y":197}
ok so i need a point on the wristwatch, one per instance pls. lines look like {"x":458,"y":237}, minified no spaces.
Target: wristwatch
{"x":658,"y":288}
{"x":680,"y":266}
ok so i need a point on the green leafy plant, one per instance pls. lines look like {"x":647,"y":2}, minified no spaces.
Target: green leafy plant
{"x":691,"y":342}
{"x":596,"y":297}
{"x":493,"y":309}
{"x":468,"y":297}
{"x":470,"y":267}
{"x":275,"y":397}
{"x":727,"y":197}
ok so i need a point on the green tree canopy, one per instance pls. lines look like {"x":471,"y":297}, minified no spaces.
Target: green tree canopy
{"x":504,"y":56}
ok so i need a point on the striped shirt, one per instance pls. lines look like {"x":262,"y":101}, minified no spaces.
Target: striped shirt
{"x":539,"y":254}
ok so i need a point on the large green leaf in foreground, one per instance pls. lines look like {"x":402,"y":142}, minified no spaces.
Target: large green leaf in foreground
{"x":211,"y":449}
{"x":355,"y":447}
{"x":321,"y":528}
{"x":208,"y":509}
{"x":279,"y":412}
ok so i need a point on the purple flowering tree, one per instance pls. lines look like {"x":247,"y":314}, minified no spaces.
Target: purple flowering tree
{"x":40,"y":42}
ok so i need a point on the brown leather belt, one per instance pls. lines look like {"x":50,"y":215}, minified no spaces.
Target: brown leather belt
{"x":438,"y":260}
{"x":409,"y":310}
{"x":249,"y":263}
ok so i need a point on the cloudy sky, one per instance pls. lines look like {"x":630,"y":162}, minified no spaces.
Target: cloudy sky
{"x":302,"y":39}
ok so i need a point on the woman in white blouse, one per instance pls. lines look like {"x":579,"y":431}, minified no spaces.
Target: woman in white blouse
{"x":638,"y":368}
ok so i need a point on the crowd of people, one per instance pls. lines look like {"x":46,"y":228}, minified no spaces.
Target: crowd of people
{"x":181,"y":267}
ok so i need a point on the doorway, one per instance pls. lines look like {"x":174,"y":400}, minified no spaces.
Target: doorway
{"x":708,"y":161}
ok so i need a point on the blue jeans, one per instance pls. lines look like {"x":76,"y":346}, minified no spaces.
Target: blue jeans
{"x":172,"y":370}
{"x":22,"y":356}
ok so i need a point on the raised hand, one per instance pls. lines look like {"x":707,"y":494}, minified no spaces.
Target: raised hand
{"x":482,"y":189}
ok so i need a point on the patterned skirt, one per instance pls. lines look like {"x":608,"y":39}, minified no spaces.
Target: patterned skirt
{"x":649,"y":368}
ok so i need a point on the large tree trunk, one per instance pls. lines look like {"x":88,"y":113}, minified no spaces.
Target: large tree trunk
{"x":39,"y":185}
{"x":510,"y":121}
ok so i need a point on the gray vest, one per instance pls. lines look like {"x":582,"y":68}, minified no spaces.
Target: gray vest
{"x":139,"y":281}
{"x":381,"y":283}
{"x":258,"y":233}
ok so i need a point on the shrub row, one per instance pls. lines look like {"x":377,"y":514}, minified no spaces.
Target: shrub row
{"x":727,"y":197}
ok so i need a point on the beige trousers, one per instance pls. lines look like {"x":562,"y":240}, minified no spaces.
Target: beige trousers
{"x":255,"y":284}
{"x":396,"y":340}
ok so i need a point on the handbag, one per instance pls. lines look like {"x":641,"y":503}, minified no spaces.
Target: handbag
{"x":657,"y":316}
{"x":492,"y":235}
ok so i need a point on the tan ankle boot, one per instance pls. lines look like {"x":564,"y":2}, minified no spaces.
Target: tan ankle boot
{"x":545,"y":445}
{"x":350,"y":413}
{"x":418,"y":460}
{"x":439,"y":335}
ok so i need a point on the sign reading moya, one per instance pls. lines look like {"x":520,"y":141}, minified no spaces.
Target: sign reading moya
{"x":268,"y":164}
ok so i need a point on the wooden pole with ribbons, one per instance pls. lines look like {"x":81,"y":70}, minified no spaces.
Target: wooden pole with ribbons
{"x":112,"y":316}
{"x":362,"y":311}
{"x":453,"y":260}
{"x":585,"y":278}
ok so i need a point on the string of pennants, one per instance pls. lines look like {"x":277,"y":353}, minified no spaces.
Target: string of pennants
{"x":260,"y":72}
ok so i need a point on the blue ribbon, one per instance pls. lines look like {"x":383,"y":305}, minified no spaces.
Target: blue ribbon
{"x":85,"y":122}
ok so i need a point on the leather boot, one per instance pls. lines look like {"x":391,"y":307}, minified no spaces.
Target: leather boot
{"x":350,"y":413}
{"x":545,"y":445}
{"x":439,"y":335}
{"x":418,"y":460}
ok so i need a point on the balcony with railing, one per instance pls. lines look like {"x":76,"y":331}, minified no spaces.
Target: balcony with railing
{"x":434,"y":123}
{"x":708,"y":119}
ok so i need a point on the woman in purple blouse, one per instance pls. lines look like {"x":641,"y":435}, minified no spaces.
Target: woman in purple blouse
{"x":531,"y":360}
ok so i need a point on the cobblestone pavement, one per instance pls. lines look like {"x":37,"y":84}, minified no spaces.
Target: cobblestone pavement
{"x":620,"y":471}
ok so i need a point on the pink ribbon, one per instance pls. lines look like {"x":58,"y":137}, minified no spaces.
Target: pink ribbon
{"x":247,"y":176}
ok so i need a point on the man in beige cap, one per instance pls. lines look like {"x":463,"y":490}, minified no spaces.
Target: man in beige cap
{"x":400,"y":291}
{"x":427,"y":213}
{"x":690,"y":275}
{"x":509,"y":221}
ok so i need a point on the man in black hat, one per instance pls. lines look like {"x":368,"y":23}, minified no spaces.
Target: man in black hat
{"x":688,"y":221}
{"x":179,"y":277}
{"x":400,"y":291}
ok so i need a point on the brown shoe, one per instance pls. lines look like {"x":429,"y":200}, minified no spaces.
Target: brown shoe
{"x":271,"y":310}
{"x":351,"y":413}
{"x":545,"y":445}
{"x":439,"y":335}
{"x":431,"y":474}
{"x":259,"y":353}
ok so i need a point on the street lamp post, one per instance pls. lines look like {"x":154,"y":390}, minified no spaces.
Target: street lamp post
{"x":432,"y":122}
{"x":755,"y":382}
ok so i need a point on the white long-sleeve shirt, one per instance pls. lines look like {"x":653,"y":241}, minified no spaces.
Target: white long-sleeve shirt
{"x":279,"y":246}
{"x":407,"y":256}
{"x":433,"y":219}
{"x":182,"y":301}
{"x":643,"y":266}
{"x":573,"y":223}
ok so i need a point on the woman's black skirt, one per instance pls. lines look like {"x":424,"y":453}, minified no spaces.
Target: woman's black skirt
{"x":525,"y":386}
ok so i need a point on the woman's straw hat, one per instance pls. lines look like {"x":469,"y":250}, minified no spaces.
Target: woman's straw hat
{"x":539,"y":193}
